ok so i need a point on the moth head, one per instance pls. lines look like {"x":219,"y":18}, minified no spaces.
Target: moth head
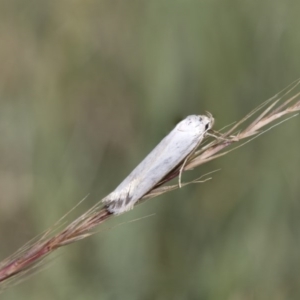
{"x":196,"y":123}
{"x":207,"y":121}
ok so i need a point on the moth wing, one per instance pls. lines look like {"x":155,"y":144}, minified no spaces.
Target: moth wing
{"x":173,"y":149}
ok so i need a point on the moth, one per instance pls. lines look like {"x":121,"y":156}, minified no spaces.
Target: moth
{"x":174,"y":149}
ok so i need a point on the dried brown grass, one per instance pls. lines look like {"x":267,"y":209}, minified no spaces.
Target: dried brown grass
{"x":29,"y":257}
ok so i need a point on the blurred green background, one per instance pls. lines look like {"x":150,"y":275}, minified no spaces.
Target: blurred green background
{"x":88,"y":88}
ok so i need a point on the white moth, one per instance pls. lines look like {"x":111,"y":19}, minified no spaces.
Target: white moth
{"x":168,"y":154}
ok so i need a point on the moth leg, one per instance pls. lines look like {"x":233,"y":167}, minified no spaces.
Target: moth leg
{"x":216,"y":136}
{"x":181,"y":170}
{"x":185,"y":161}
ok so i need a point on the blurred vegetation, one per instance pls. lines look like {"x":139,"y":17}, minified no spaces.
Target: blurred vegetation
{"x":87,"y":89}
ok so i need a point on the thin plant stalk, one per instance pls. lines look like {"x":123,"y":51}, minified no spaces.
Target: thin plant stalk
{"x":29,"y":257}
